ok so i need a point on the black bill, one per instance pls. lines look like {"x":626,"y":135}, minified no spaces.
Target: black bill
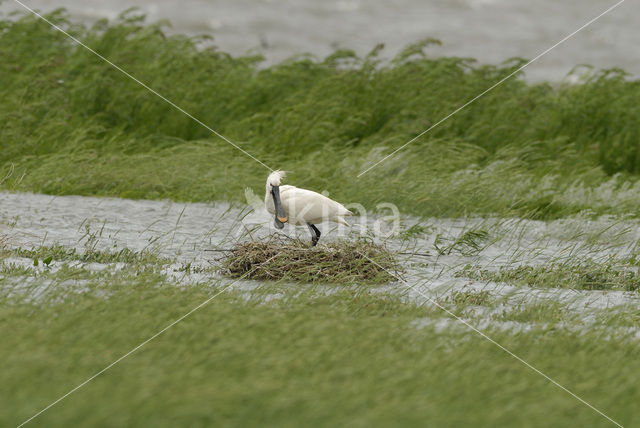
{"x":281,"y":216}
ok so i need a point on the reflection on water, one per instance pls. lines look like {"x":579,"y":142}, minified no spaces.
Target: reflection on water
{"x":489,"y":30}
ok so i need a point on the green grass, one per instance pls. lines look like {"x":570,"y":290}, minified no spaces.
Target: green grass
{"x":304,"y":358}
{"x":59,"y":252}
{"x":71,"y":124}
{"x":468,"y":297}
{"x":583,"y":276}
{"x":286,"y":354}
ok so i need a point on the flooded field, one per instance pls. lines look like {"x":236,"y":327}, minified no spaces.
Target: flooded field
{"x":514,"y":298}
{"x":442,"y":258}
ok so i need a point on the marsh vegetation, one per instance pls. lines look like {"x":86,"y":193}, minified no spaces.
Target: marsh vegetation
{"x":539,"y":250}
{"x":71,"y":124}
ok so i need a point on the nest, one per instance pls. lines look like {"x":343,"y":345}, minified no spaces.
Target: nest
{"x":334,"y":262}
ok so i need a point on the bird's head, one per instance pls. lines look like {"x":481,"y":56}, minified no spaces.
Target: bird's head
{"x":274,"y":179}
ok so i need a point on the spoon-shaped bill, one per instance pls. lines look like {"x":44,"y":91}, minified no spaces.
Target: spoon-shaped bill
{"x":281,"y":216}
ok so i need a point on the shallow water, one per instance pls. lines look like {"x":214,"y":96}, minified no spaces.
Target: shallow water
{"x":186,"y":232}
{"x":489,"y":30}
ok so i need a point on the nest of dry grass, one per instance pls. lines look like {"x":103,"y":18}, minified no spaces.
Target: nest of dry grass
{"x":334,"y":262}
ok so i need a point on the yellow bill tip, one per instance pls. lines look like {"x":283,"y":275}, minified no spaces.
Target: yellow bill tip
{"x":283,"y":219}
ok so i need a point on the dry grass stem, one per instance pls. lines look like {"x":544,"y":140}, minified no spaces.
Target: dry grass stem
{"x":334,"y":262}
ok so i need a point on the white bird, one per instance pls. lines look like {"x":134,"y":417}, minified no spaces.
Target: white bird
{"x":301,"y":206}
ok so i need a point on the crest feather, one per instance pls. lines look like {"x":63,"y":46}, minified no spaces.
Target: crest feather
{"x":275,"y":177}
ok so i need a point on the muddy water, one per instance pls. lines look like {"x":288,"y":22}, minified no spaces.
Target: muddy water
{"x":489,"y":30}
{"x":187,"y":232}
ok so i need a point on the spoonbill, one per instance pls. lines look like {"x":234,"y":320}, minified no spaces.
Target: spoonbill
{"x":301,"y":206}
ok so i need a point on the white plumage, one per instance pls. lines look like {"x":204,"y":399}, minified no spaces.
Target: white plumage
{"x":302,"y":206}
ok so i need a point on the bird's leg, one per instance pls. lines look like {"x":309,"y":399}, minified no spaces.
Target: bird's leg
{"x":315,"y":234}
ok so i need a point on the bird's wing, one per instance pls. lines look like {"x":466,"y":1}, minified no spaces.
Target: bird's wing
{"x":309,"y":205}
